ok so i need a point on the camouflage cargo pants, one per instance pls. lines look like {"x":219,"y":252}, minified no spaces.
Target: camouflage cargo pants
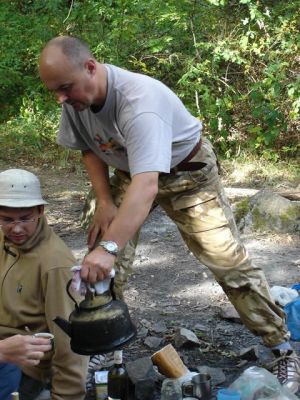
{"x":197,"y":204}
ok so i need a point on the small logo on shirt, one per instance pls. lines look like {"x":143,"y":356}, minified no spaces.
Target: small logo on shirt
{"x":108,"y":147}
{"x":19,"y":288}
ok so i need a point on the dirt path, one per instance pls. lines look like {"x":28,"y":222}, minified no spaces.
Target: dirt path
{"x":168,"y":284}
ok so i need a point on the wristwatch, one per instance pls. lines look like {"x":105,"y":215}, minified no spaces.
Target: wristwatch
{"x":109,"y":246}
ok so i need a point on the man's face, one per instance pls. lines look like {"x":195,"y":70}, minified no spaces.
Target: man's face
{"x":71,"y":85}
{"x":19,"y":224}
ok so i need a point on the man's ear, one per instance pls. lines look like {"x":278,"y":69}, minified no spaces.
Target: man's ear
{"x":90,"y":66}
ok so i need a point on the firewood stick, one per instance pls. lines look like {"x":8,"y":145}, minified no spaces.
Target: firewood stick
{"x":169,"y":362}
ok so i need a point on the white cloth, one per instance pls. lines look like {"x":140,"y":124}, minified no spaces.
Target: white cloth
{"x":78,"y":285}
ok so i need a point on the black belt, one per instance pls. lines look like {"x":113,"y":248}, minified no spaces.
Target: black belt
{"x":185,"y":165}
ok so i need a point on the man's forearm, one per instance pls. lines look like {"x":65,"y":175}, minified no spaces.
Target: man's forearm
{"x":127,"y":219}
{"x":98,"y":174}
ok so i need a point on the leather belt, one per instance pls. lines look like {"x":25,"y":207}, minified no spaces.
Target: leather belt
{"x":185,"y":165}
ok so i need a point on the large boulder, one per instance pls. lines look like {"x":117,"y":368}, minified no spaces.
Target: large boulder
{"x":268,"y":211}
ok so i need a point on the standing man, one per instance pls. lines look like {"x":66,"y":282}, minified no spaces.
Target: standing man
{"x":34,"y":270}
{"x":140,"y":127}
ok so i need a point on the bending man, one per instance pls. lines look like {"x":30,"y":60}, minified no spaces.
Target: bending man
{"x":141,"y":128}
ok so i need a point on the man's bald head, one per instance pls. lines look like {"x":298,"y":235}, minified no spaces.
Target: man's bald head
{"x":76,"y":50}
{"x":68,"y":69}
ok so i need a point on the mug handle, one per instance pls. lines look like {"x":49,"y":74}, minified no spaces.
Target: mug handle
{"x":187,"y":388}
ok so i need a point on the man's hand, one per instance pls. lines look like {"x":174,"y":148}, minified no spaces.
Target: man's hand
{"x":97,"y":265}
{"x":101,"y":221}
{"x":23,"y":350}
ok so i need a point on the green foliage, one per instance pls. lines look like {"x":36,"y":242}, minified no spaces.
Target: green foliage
{"x":234,"y":63}
{"x":29,"y":133}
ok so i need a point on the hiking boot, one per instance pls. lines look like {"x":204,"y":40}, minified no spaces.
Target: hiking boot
{"x":286,"y":367}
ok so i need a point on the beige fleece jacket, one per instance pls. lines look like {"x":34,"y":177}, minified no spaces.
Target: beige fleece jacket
{"x":33,"y":280}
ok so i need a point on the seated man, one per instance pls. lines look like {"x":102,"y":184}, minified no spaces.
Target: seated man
{"x":17,"y":351}
{"x":34,"y":270}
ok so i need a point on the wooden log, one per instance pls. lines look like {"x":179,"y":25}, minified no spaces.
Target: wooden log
{"x":169,"y":362}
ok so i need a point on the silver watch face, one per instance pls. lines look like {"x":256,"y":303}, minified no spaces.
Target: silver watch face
{"x":110,"y":246}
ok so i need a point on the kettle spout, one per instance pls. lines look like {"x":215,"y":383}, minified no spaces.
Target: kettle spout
{"x":63,"y":324}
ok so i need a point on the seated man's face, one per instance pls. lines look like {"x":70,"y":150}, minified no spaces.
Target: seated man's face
{"x":19,"y":224}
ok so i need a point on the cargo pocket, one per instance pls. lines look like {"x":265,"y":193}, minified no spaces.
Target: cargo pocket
{"x":199,"y":212}
{"x":188,"y":200}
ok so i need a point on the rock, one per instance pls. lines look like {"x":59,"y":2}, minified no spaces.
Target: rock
{"x":144,"y":389}
{"x":185,"y":338}
{"x":152,"y":342}
{"x":141,"y":370}
{"x":249,"y":353}
{"x":142,"y":332}
{"x":145,"y":323}
{"x":159,"y":327}
{"x":202,"y":328}
{"x":171,"y":390}
{"x":242,"y":363}
{"x":268,"y":211}
{"x":217,"y":374}
{"x":230,"y":313}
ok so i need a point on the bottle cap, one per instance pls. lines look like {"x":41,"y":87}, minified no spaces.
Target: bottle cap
{"x":228,"y":394}
{"x":118,"y":356}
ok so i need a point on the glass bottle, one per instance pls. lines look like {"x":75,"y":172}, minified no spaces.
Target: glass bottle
{"x":117,"y":380}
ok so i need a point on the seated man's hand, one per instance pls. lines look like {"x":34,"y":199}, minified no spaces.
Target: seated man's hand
{"x":97,"y":265}
{"x":23,"y":350}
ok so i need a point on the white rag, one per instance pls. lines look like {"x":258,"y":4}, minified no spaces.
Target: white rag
{"x":80,"y":286}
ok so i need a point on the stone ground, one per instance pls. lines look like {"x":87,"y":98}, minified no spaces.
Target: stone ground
{"x":168,"y":285}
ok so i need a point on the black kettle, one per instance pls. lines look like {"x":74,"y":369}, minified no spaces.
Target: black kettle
{"x":99,"y":324}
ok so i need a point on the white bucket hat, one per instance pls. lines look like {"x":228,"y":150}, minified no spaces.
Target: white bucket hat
{"x":20,"y":188}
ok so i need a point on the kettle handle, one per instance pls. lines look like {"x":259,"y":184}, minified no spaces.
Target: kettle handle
{"x":111,"y":288}
{"x":69,"y":294}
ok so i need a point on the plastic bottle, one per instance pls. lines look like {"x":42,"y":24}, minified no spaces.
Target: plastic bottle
{"x":258,"y":383}
{"x":117,"y":379}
